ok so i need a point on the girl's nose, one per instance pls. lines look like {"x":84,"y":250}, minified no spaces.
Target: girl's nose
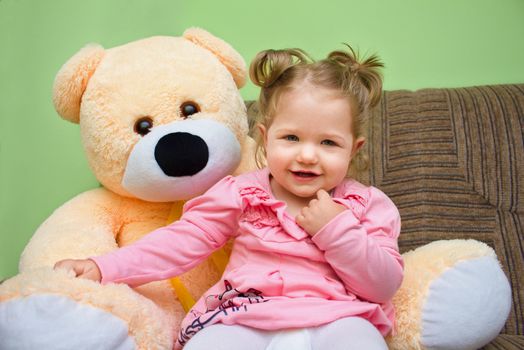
{"x":307,"y":154}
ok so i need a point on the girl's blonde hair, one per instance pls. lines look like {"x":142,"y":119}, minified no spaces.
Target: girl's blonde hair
{"x":358,"y":80}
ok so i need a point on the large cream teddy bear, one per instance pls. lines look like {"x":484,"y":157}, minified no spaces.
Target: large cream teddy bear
{"x":161,"y":121}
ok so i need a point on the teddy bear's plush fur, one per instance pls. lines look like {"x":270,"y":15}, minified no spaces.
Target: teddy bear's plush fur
{"x":109,"y":92}
{"x":132,"y":103}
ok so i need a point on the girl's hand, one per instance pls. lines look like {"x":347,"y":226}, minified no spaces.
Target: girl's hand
{"x":318,"y":213}
{"x":82,"y":268}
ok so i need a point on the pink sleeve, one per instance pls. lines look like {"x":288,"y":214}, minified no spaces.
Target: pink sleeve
{"x":207,"y":223}
{"x":364,"y":251}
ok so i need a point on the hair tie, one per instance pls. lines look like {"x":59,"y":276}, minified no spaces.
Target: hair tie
{"x":356,"y":67}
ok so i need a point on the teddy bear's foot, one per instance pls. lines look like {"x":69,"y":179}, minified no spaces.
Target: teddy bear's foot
{"x":47,"y":309}
{"x":57,"y":322}
{"x":466,"y":306}
{"x":454,"y":296}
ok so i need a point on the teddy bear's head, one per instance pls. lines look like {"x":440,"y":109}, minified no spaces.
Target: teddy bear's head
{"x":161,"y":118}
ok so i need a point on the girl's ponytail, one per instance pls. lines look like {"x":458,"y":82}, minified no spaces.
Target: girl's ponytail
{"x":269,"y":65}
{"x":367,"y":73}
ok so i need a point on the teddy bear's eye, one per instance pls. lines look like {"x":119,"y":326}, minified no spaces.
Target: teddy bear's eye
{"x":189,"y":108}
{"x":143,"y":126}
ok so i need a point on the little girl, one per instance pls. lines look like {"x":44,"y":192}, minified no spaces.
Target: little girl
{"x":315,"y":261}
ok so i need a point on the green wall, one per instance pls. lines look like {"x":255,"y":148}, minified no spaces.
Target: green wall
{"x":438,"y":43}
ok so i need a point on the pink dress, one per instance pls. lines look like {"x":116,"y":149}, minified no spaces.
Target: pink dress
{"x":278,"y":276}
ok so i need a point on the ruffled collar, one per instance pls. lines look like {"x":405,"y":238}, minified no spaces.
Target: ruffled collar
{"x":349,"y":193}
{"x":259,"y":192}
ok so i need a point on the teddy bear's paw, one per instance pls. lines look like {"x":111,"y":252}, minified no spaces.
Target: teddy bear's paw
{"x":57,"y":322}
{"x":48,"y":309}
{"x":466,"y":306}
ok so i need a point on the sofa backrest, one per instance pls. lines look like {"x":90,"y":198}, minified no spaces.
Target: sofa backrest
{"x":452,"y":160}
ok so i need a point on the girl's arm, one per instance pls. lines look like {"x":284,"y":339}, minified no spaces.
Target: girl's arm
{"x":364,"y":252}
{"x":207,"y":223}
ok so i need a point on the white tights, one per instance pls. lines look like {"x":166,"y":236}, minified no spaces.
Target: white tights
{"x":350,"y":333}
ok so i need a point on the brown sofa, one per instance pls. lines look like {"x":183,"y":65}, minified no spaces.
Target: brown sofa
{"x":453,"y":162}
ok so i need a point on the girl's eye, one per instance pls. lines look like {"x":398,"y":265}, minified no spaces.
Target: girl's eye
{"x":143,"y":126}
{"x":189,"y":108}
{"x":329,"y":143}
{"x":291,"y":138}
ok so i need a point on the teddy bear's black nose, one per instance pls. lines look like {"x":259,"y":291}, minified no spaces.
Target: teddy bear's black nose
{"x":181,"y":154}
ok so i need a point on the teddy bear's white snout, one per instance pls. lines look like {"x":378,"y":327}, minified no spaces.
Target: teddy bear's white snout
{"x":177,"y":161}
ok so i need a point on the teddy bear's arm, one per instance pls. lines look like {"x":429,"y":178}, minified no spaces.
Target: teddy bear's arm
{"x":84,"y":226}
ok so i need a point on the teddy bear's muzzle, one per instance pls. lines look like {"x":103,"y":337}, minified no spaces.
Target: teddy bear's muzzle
{"x":181,"y":154}
{"x":180,"y":160}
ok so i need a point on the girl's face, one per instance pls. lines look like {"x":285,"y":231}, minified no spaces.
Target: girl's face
{"x":310,"y":143}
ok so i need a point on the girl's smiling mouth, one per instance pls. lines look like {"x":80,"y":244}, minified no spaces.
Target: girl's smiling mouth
{"x":304,"y":174}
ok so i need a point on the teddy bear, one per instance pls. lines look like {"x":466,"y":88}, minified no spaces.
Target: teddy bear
{"x":161,"y":121}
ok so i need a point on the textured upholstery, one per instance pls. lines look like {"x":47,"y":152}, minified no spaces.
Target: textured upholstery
{"x":453,"y":162}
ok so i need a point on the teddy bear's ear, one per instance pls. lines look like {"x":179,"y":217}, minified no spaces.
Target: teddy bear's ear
{"x":71,"y":81}
{"x":225,"y":53}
